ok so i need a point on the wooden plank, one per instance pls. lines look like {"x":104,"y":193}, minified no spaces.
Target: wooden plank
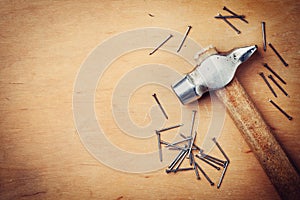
{"x":43,"y":44}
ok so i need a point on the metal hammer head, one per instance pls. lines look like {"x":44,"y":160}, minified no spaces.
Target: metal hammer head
{"x":213,"y":73}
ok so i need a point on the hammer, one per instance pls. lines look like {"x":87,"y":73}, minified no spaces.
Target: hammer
{"x":215,"y":72}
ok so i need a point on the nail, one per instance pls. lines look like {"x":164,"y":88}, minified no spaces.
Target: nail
{"x":274,"y":81}
{"x":170,"y":128}
{"x":263,"y":26}
{"x":181,"y":161}
{"x":181,"y":169}
{"x":223,"y":174}
{"x":191,"y":145}
{"x":174,"y":146}
{"x":177,"y":158}
{"x":193,"y":121}
{"x":195,"y":167}
{"x":267,"y":82}
{"x":278,"y":55}
{"x":230,"y":24}
{"x":197,"y":147}
{"x":160,"y":106}
{"x":282,"y":111}
{"x":204,"y":174}
{"x":219,"y":147}
{"x":205,"y":156}
{"x":184,"y":140}
{"x":275,"y":74}
{"x":209,"y":163}
{"x":231,"y":12}
{"x":184,"y":37}
{"x":230,"y":16}
{"x":161,"y":44}
{"x":192,"y":129}
{"x":159,"y":145}
{"x":215,"y":161}
{"x":179,"y":148}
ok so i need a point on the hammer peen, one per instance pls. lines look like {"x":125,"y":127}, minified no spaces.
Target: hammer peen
{"x":213,"y":73}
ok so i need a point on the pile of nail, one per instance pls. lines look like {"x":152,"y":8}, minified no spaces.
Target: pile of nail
{"x":187,"y":149}
{"x":274,"y":73}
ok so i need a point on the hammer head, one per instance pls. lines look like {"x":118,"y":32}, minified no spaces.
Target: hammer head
{"x":213,"y":73}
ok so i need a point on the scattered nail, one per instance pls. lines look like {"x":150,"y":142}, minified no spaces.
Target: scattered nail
{"x":175,"y":161}
{"x":159,"y":146}
{"x":273,"y":72}
{"x":166,"y":40}
{"x":268,"y":84}
{"x":282,"y":111}
{"x":223,"y":174}
{"x":180,"y":169}
{"x":209,"y":163}
{"x":231,"y":12}
{"x":184,"y":38}
{"x":263,"y":27}
{"x":230,"y":24}
{"x":204,"y":174}
{"x":181,"y":161}
{"x":195,"y":167}
{"x":278,"y":55}
{"x":170,"y":128}
{"x":229,"y":16}
{"x":274,"y":81}
{"x":160,"y":106}
{"x":219,"y":147}
{"x":190,"y":147}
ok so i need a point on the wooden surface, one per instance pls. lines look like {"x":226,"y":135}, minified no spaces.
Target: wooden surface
{"x":42,"y":45}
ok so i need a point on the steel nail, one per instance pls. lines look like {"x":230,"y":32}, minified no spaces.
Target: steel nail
{"x":223,"y":174}
{"x":195,"y":167}
{"x":268,"y":84}
{"x":181,"y":169}
{"x":197,"y":147}
{"x":161,"y":44}
{"x":230,"y":16}
{"x":190,"y":147}
{"x":274,"y":81}
{"x":205,"y":156}
{"x":231,"y":25}
{"x":214,"y":161}
{"x":177,"y":158}
{"x":207,"y":162}
{"x":273,"y":72}
{"x":159,"y":145}
{"x":231,"y":12}
{"x":181,"y":161}
{"x":192,"y":129}
{"x":169,"y":128}
{"x":263,"y":27}
{"x":282,"y":111}
{"x":174,"y":146}
{"x":178,"y":142}
{"x":278,"y":55}
{"x":184,"y":38}
{"x":219,"y":147}
{"x":160,"y":106}
{"x":204,"y":174}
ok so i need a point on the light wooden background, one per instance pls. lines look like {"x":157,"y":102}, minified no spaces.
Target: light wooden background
{"x":42,"y":45}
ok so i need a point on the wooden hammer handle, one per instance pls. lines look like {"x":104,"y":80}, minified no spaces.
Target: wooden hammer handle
{"x":259,"y":137}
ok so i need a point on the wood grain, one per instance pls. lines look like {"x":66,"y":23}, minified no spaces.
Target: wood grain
{"x":42,"y":45}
